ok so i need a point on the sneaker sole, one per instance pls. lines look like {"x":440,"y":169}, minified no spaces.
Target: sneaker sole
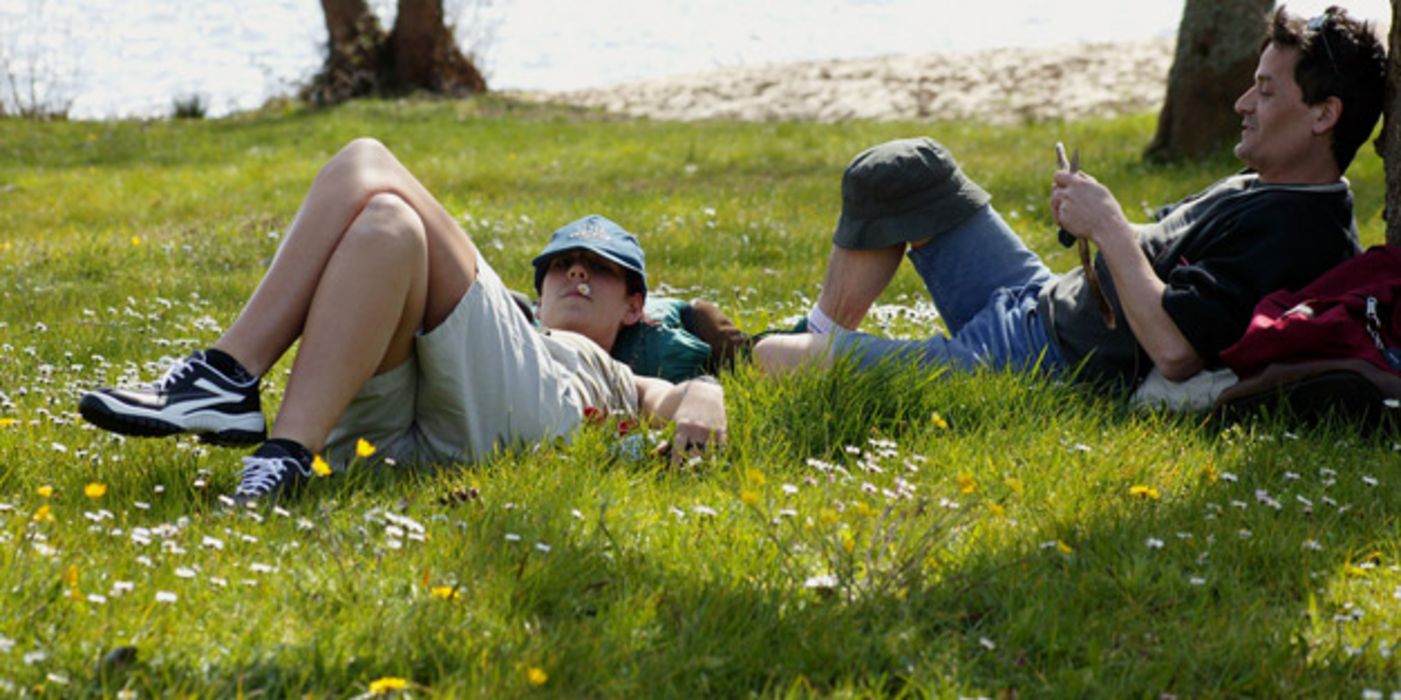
{"x":97,"y":412}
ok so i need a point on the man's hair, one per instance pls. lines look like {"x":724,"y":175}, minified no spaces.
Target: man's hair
{"x":1338,"y":57}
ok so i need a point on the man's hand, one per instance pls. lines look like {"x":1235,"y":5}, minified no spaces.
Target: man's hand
{"x":1087,"y":209}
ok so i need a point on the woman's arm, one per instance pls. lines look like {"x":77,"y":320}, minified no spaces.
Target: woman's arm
{"x":697,"y":407}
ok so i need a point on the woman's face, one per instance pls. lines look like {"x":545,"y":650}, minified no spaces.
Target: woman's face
{"x":587,"y":294}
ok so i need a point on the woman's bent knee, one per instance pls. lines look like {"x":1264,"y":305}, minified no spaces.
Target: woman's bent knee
{"x":390,"y":225}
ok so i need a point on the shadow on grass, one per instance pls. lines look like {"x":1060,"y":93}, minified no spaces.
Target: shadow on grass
{"x":1080,"y":589}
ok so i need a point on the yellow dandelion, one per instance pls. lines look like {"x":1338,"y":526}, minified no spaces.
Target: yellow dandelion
{"x":320,"y":467}
{"x":862,"y":509}
{"x":136,"y":240}
{"x":1144,"y":492}
{"x":43,"y":515}
{"x":756,"y":477}
{"x":537,"y":676}
{"x":1015,"y":484}
{"x":45,"y":491}
{"x":387,"y":685}
{"x":938,"y":421}
{"x":7,"y":422}
{"x":445,"y":592}
{"x":996,"y":510}
{"x":748,"y":497}
{"x":95,"y":490}
{"x":70,"y":575}
{"x":966,"y":483}
{"x":1063,"y":548}
{"x":827,"y":516}
{"x":364,"y":448}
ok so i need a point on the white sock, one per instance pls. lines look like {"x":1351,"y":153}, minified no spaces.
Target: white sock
{"x":819,"y":323}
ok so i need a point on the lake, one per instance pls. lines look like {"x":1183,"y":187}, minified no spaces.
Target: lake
{"x":132,"y":58}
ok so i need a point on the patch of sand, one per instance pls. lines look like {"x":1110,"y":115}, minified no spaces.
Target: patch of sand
{"x":1001,"y":86}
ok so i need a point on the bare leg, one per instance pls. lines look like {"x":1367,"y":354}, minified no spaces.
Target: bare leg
{"x":363,"y":316}
{"x":275,"y":315}
{"x":780,"y":354}
{"x":854,"y":280}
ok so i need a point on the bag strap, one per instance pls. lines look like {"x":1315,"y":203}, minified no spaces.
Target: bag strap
{"x":1374,"y":329}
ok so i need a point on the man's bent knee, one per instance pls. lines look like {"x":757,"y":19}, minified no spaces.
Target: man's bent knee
{"x":901,"y":192}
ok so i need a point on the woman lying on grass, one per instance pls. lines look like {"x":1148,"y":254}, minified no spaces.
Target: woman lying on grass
{"x":410,"y":340}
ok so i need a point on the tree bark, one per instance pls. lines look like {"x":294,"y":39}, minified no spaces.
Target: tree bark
{"x":425,"y":52}
{"x":1389,"y":143}
{"x":1218,"y":46}
{"x":354,"y":41}
{"x":420,"y":53}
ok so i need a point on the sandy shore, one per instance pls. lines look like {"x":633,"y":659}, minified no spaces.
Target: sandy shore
{"x":997,"y":86}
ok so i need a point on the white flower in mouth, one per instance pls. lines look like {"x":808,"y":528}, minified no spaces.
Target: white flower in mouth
{"x":584,"y":288}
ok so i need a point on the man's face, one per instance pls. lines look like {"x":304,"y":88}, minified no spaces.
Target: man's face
{"x":1277,"y":126}
{"x":587,"y":294}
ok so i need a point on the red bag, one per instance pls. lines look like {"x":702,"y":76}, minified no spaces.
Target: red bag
{"x":1352,"y":311}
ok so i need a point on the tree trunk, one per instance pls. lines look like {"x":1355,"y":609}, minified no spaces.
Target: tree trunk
{"x":354,"y":41}
{"x":425,"y":52}
{"x":1389,"y":143}
{"x":1218,"y":46}
{"x":419,"y":54}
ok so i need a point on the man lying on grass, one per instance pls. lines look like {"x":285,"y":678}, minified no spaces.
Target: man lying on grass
{"x":410,"y":340}
{"x":1179,"y":290}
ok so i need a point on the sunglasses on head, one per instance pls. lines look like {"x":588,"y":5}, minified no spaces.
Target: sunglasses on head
{"x":1319,"y":26}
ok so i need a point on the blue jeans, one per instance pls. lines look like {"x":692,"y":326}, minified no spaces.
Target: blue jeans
{"x":984,"y":283}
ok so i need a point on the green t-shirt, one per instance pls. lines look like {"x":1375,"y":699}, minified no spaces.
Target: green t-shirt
{"x":661,"y":346}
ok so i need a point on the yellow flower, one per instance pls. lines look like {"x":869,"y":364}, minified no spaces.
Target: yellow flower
{"x":46,"y":491}
{"x":827,"y":516}
{"x":1210,"y":474}
{"x":7,"y":422}
{"x":1014,"y":483}
{"x":966,"y":483}
{"x":848,"y":544}
{"x":996,"y":510}
{"x":1063,"y":547}
{"x":536,"y":675}
{"x":95,"y":490}
{"x":136,"y":240}
{"x":70,"y":576}
{"x":43,"y":515}
{"x":320,"y":467}
{"x":756,"y":477}
{"x":1144,"y":492}
{"x":387,"y":685}
{"x":938,"y":421}
{"x":364,"y":448}
{"x":748,"y":497}
{"x":445,"y":592}
{"x":862,"y":509}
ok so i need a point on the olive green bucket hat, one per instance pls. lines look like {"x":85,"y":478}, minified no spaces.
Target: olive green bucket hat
{"x":901,"y":191}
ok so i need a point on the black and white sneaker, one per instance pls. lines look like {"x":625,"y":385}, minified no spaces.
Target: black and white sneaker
{"x":272,"y":471}
{"x":192,"y":397}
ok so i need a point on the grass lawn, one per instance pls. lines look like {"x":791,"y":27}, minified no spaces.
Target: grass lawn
{"x":889,"y":534}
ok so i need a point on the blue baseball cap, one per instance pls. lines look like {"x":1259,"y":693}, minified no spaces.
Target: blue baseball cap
{"x":599,"y":236}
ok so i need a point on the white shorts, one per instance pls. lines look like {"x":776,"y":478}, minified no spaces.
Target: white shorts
{"x":481,"y":381}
